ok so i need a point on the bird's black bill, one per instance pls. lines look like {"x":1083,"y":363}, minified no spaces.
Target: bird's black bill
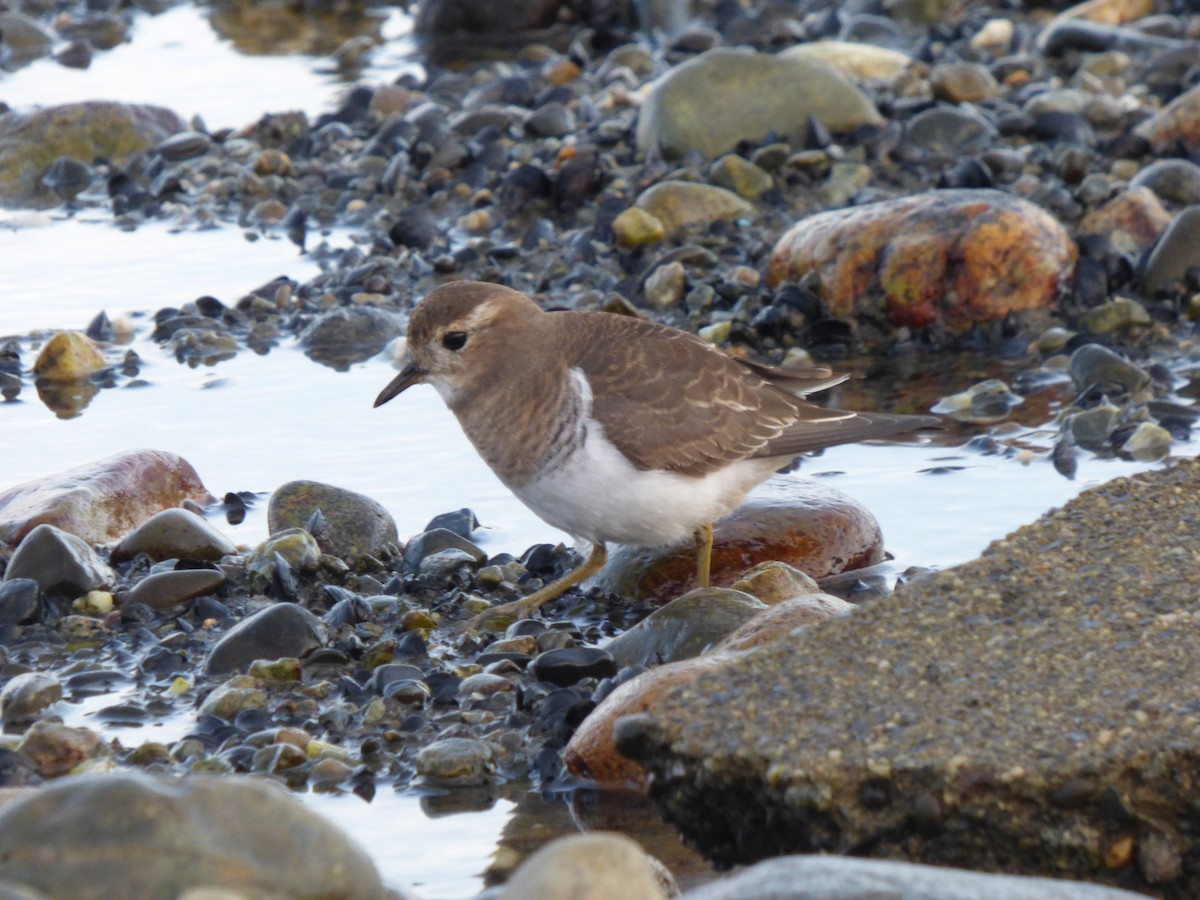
{"x":408,"y":376}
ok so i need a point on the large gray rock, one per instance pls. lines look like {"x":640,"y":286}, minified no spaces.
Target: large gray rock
{"x":61,"y":564}
{"x":354,"y":525}
{"x":1032,"y":711}
{"x":839,"y":878}
{"x":127,"y":835}
{"x":724,"y":96}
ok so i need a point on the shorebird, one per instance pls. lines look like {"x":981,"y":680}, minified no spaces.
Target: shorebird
{"x":616,"y":429}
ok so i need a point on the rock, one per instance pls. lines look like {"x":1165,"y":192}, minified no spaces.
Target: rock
{"x":88,"y":131}
{"x":239,"y":694}
{"x":282,"y":629}
{"x":294,"y":546}
{"x":163,"y":590}
{"x":347,"y":335}
{"x":595,"y":866}
{"x":665,"y":286}
{"x":22,"y":39}
{"x":101,"y":501}
{"x":133,"y":835}
{"x":963,"y":83}
{"x":1148,"y":443}
{"x":741,"y":176}
{"x":635,"y":227}
{"x":1110,"y":12}
{"x":592,"y":751}
{"x":815,"y":528}
{"x":685,"y":627}
{"x":712,"y":102}
{"x":1116,"y":316}
{"x":174,"y":534}
{"x":1175,"y":125}
{"x":772,"y":582}
{"x":984,"y":403}
{"x":26,"y":695}
{"x":1131,"y":221}
{"x":842,"y":878}
{"x":852,"y":59}
{"x":1091,"y":428}
{"x":1095,"y":366}
{"x":455,"y":18}
{"x":1003,"y":691}
{"x":437,"y":540}
{"x":457,"y":762}
{"x":55,"y":750}
{"x":950,"y":131}
{"x":354,"y":524}
{"x":18,"y":601}
{"x":779,"y":622}
{"x":683,"y":204}
{"x":569,"y":665}
{"x":68,"y":356}
{"x":945,"y":261}
{"x":60,"y":563}
{"x":1176,"y":252}
{"x":1173,"y":180}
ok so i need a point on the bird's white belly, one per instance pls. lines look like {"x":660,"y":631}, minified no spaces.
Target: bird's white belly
{"x":598,"y":495}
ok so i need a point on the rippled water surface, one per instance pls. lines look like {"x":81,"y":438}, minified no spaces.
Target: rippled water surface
{"x":254,"y":422}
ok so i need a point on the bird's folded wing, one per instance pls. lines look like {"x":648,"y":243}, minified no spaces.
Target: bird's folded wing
{"x":696,"y":411}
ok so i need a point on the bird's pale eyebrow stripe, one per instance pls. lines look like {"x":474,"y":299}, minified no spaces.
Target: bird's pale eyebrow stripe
{"x":482,"y":315}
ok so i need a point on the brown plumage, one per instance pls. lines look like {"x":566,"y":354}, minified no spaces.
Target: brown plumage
{"x":613,"y":428}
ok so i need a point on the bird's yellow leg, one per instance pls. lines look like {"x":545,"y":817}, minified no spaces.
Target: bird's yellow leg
{"x":523,"y":608}
{"x":704,"y":542}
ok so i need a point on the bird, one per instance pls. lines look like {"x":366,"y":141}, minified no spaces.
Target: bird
{"x":612,"y":428}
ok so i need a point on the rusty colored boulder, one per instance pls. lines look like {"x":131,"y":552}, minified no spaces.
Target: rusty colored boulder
{"x":592,"y":753}
{"x":103,"y":500}
{"x":801,"y":522}
{"x":943,"y":260}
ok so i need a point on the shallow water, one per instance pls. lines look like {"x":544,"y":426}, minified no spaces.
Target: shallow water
{"x":255,"y":422}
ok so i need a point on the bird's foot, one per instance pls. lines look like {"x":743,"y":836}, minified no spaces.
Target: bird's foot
{"x":500,"y":617}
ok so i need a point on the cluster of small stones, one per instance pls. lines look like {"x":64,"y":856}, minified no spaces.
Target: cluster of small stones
{"x":342,"y":687}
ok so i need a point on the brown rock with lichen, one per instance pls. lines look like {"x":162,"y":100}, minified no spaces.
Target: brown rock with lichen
{"x":943,"y":261}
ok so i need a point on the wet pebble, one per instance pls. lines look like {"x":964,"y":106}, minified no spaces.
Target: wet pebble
{"x":684,"y":628}
{"x":60,"y":563}
{"x":18,"y":600}
{"x":571,"y":665}
{"x":282,"y":629}
{"x":57,"y":749}
{"x":163,"y":590}
{"x":984,"y":403}
{"x":174,"y":534}
{"x":25,"y":696}
{"x":457,"y":762}
{"x":1175,"y":253}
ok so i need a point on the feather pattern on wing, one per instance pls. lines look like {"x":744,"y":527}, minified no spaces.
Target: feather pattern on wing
{"x":677,"y":403}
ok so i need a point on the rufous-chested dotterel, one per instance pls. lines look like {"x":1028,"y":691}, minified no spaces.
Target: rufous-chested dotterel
{"x":612,"y":428}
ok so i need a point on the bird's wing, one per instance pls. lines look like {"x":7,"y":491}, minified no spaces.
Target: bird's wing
{"x":668,"y":400}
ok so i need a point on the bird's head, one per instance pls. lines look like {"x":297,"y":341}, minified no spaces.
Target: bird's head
{"x":460,"y":337}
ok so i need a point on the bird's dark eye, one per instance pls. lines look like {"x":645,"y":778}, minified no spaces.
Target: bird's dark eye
{"x":454,"y":340}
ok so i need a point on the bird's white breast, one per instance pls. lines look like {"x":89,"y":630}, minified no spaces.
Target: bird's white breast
{"x":597,"y":494}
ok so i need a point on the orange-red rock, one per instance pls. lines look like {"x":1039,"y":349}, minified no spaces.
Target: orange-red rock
{"x":591,"y":752}
{"x":944,"y":260}
{"x":1177,"y":123}
{"x":804,"y":523}
{"x":1132,"y":220}
{"x":102,"y":500}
